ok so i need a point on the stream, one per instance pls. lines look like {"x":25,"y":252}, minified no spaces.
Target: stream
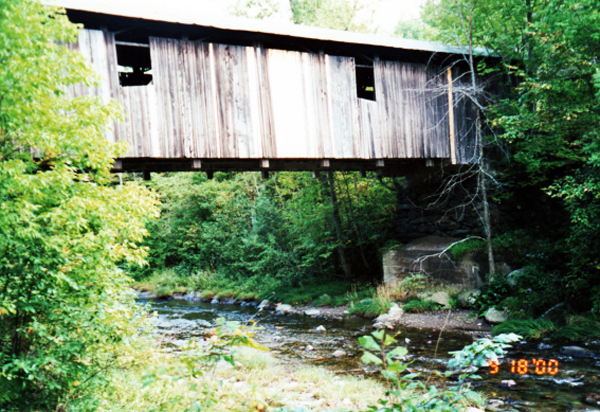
{"x":555,"y":383}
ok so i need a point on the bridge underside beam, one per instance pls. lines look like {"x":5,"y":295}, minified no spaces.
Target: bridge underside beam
{"x":386,"y":167}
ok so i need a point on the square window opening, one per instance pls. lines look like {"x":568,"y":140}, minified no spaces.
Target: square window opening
{"x":365,"y":81}
{"x":134,"y":64}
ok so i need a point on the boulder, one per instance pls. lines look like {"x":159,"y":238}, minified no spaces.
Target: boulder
{"x":284,"y":309}
{"x":320,"y":329}
{"x":309,"y":348}
{"x":591,"y":399}
{"x":467,"y":299}
{"x":214,"y":302}
{"x":340,"y":353}
{"x":312,"y":312}
{"x":392,"y":316}
{"x":441,"y":298}
{"x":513,"y":277}
{"x":576,"y":352}
{"x":495,"y":316}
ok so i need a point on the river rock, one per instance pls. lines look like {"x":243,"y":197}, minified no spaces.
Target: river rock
{"x":544,"y":346}
{"x":284,"y":309}
{"x":320,"y":329}
{"x":263,"y":305}
{"x":495,"y":316}
{"x":340,"y":353}
{"x":591,"y":399}
{"x":441,"y":298}
{"x":214,"y":302}
{"x":309,"y":348}
{"x":312,"y":312}
{"x":467,"y":299}
{"x":507,"y":384}
{"x":147,"y":295}
{"x":576,"y":352}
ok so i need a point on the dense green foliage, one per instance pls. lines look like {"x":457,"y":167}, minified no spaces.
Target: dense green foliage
{"x":549,"y":122}
{"x":64,"y":228}
{"x":265,"y":235}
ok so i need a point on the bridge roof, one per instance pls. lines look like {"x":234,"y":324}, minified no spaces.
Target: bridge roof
{"x":186,"y":16}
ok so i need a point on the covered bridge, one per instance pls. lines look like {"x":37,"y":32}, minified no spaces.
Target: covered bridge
{"x":249,"y":95}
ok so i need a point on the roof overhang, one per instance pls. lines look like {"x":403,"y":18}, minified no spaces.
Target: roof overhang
{"x":174,"y":15}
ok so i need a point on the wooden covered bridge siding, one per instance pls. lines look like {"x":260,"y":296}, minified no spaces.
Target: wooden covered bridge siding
{"x":215,"y":101}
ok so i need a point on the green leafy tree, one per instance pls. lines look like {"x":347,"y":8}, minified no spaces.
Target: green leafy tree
{"x":347,"y":15}
{"x":64,"y":227}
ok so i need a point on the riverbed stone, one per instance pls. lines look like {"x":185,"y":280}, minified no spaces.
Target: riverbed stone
{"x":309,"y":348}
{"x":320,"y":329}
{"x":467,"y":298}
{"x":507,"y":384}
{"x":263,"y":305}
{"x":214,"y":302}
{"x":312,"y":312}
{"x":284,"y":309}
{"x":576,"y":352}
{"x":591,"y":399}
{"x":495,"y":316}
{"x":340,"y":353}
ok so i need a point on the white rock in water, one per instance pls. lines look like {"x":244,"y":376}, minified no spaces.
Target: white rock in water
{"x":262,"y":305}
{"x":284,"y":309}
{"x":312,"y":312}
{"x":309,"y":348}
{"x":340,"y":353}
{"x":320,"y":329}
{"x":214,"y":302}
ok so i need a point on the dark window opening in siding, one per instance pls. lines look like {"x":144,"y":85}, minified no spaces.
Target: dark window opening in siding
{"x":135,"y":65}
{"x":365,"y":81}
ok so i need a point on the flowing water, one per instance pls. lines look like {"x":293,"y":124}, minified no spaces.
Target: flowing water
{"x":556,"y":387}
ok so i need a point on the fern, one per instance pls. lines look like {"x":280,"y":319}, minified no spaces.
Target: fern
{"x":9,"y":390}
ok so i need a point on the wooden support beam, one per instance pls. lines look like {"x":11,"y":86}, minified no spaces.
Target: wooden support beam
{"x":147,"y":176}
{"x":379,"y":163}
{"x":362,"y":173}
{"x":317,"y":175}
{"x":209,"y":174}
{"x":196,"y":164}
{"x":429,"y":163}
{"x":264,"y":173}
{"x":451,"y":117}
{"x":325,"y":163}
{"x":264,"y":164}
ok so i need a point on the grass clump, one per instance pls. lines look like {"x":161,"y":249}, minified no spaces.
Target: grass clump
{"x":420,"y":306}
{"x":528,"y":328}
{"x":379,"y":304}
{"x":323,"y":300}
{"x":579,"y":328}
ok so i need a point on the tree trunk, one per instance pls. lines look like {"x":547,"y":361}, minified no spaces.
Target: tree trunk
{"x":337,"y":222}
